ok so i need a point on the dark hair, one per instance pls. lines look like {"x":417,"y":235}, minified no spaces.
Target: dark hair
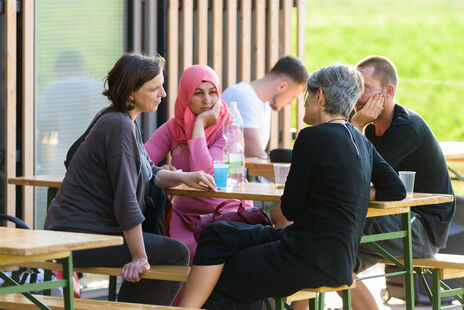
{"x":384,"y":69}
{"x":292,"y":67}
{"x":129,"y":73}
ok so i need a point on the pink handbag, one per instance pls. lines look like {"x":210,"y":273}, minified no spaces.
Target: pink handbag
{"x":248,"y":216}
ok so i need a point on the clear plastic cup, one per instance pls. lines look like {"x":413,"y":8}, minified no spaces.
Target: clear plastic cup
{"x":280,"y":174}
{"x":407,"y":177}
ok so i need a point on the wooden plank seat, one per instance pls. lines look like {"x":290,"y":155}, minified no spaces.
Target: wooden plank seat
{"x":156,"y":272}
{"x":180,"y":273}
{"x":316,"y":296}
{"x":19,"y":302}
{"x":439,"y":267}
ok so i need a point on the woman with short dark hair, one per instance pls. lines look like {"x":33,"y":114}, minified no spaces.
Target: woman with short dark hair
{"x":107,"y":181}
{"x":326,"y":196}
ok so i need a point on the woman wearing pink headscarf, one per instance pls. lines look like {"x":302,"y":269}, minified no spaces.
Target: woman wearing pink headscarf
{"x":194,"y":138}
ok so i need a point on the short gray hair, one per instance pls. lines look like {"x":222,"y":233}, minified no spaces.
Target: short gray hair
{"x":341,"y":84}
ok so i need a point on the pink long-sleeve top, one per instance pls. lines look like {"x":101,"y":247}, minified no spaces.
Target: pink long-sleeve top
{"x":194,"y":155}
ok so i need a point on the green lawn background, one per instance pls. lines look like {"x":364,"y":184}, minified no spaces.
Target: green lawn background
{"x":424,"y":38}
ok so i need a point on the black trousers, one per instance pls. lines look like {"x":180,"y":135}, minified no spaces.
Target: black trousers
{"x":258,"y":264}
{"x":160,"y":251}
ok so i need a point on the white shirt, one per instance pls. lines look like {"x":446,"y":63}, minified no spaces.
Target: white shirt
{"x":255,"y":112}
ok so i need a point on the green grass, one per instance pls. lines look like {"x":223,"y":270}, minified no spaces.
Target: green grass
{"x":424,"y":38}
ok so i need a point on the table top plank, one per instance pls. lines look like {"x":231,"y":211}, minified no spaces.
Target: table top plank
{"x":46,"y":180}
{"x":248,"y":191}
{"x":15,"y":260}
{"x":27,"y":242}
{"x":269,"y":192}
{"x":251,"y":191}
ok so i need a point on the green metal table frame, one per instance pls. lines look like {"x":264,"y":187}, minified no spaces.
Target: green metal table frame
{"x":11,"y":286}
{"x":439,"y":289}
{"x":456,"y":175}
{"x":406,"y":268}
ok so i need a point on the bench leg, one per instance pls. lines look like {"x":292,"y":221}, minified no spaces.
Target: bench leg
{"x":436,"y":300}
{"x":47,"y":277}
{"x":112,"y":288}
{"x":346,"y":297}
{"x":279,"y":303}
{"x":10,"y":282}
{"x":313,"y":302}
{"x":321,"y":301}
{"x":68,"y":292}
{"x":407,"y":246}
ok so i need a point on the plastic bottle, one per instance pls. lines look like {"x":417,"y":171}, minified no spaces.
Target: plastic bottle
{"x":233,"y":152}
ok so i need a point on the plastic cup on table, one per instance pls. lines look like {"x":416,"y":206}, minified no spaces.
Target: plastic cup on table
{"x":407,"y":177}
{"x":221,"y":173}
{"x":280,"y":174}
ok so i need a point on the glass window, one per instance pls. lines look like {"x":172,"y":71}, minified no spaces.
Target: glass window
{"x":77,"y":42}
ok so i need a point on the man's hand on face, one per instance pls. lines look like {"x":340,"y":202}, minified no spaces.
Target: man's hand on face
{"x":369,"y":112}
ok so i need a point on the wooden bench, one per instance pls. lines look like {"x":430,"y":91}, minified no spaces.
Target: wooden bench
{"x":440,"y":267}
{"x":19,"y":302}
{"x":316,"y":297}
{"x":180,"y":273}
{"x":156,"y":272}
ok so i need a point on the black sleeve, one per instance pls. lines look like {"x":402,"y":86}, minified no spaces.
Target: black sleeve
{"x":398,"y":143}
{"x":388,"y":185}
{"x":298,"y":180}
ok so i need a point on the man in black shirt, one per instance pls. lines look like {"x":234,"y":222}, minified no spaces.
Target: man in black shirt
{"x":407,"y":143}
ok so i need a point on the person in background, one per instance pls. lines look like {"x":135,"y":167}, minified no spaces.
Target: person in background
{"x":255,"y":100}
{"x":326,"y":196}
{"x":406,"y":142}
{"x":107,"y":181}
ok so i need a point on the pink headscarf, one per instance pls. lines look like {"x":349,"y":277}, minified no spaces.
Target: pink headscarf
{"x":181,"y":126}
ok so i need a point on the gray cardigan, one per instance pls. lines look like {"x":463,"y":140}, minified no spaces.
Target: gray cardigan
{"x":105,"y":185}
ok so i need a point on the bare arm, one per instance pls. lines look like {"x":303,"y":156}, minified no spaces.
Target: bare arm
{"x":372,"y":193}
{"x":253,"y":143}
{"x":197,"y":179}
{"x":205,"y":119}
{"x":139,"y":264}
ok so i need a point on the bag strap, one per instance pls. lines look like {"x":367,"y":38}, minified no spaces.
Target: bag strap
{"x":222,"y":204}
{"x":78,"y":142}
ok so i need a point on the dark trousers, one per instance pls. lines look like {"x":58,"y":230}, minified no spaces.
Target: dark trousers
{"x":258,"y":264}
{"x":160,"y":251}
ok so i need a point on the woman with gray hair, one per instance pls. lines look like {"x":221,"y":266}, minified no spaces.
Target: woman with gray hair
{"x":326,"y":196}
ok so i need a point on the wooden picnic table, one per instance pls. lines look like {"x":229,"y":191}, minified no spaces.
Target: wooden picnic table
{"x":23,"y":245}
{"x":269,"y":192}
{"x":254,"y":191}
{"x":453,"y":152}
{"x":260,"y":167}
